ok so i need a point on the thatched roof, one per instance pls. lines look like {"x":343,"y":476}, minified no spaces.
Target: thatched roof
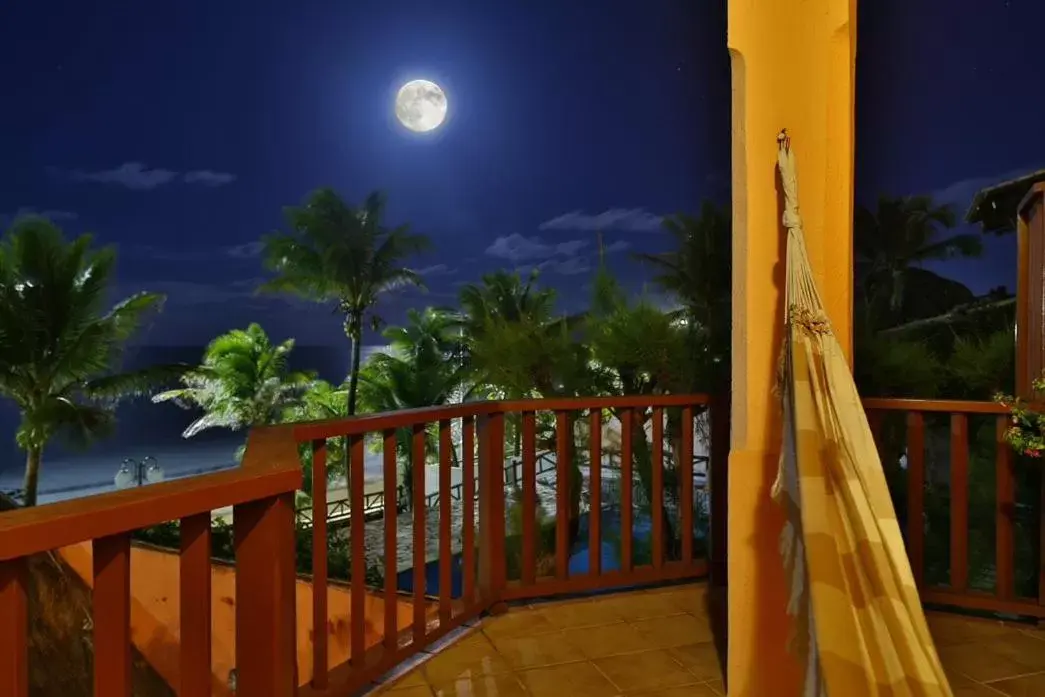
{"x":994,"y":208}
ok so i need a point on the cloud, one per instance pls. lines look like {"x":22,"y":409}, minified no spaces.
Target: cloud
{"x":960,"y":193}
{"x":208,"y":177}
{"x":519,"y":248}
{"x":570,"y":267}
{"x":243,"y":291}
{"x":435,"y":270}
{"x":249,"y":250}
{"x":621,"y":219}
{"x":564,"y":267}
{"x":133,"y":175}
{"x":534,"y":254}
{"x":188,"y":292}
{"x":137,"y":177}
{"x":55,"y":216}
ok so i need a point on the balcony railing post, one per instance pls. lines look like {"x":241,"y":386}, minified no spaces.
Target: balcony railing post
{"x":14,"y":627}
{"x":266,"y":628}
{"x":492,"y":570}
{"x":718,"y":462}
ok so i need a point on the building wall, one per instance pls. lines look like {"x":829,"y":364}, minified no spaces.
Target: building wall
{"x":155,"y":611}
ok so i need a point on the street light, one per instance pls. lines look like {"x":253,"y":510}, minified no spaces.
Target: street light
{"x":134,"y":473}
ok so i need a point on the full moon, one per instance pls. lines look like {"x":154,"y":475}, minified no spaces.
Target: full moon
{"x":421,"y":106}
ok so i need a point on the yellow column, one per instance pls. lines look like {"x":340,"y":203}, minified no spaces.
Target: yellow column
{"x":794,"y":68}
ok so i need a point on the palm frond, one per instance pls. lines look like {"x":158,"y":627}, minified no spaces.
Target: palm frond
{"x":136,"y":383}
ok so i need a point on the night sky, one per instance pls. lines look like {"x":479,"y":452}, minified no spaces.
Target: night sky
{"x":179,"y":130}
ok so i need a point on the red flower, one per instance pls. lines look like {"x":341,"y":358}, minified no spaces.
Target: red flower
{"x":1032,"y":453}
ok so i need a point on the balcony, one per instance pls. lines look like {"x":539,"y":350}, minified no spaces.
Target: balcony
{"x":561,"y":542}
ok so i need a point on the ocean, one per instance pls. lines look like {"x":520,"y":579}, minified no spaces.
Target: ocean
{"x":152,"y":430}
{"x":145,"y":429}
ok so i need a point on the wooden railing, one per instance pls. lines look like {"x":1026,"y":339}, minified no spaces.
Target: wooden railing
{"x":485,"y":539}
{"x":504,"y":555}
{"x":374,"y":502}
{"x":262,"y":493}
{"x":900,"y":428}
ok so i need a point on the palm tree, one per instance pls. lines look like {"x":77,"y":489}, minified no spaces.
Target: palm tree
{"x":513,"y":338}
{"x":427,"y":334}
{"x":504,"y":295}
{"x":319,"y":402}
{"x":60,"y":348}
{"x":899,"y":236}
{"x":342,"y":255}
{"x":697,"y":272}
{"x":418,"y":370}
{"x":243,"y":381}
{"x":647,"y":352}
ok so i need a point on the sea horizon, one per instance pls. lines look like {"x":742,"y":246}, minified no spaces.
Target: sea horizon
{"x":152,"y":430}
{"x":146,"y":429}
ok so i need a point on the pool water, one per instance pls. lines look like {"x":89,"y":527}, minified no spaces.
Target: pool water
{"x":642,"y":532}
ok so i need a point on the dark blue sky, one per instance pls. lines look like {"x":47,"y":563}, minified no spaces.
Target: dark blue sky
{"x":179,"y":130}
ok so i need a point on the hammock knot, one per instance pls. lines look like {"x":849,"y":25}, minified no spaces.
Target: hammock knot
{"x":792,"y":220}
{"x":812,"y":323}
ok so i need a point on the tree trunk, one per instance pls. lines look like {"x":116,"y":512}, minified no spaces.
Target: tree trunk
{"x":354,"y":329}
{"x":32,"y":476}
{"x":643,"y":465}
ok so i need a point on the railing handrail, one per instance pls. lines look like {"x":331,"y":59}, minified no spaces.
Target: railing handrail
{"x":271,"y":466}
{"x":953,"y":406}
{"x":369,"y":423}
{"x":375,"y":500}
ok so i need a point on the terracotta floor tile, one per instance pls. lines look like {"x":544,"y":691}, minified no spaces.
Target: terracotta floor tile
{"x":641,"y":606}
{"x":688,"y":598}
{"x":422,"y":690}
{"x":648,"y":670}
{"x":519,"y":621}
{"x":1026,"y":686}
{"x":470,"y":657}
{"x":1026,"y":649}
{"x":677,"y":630}
{"x":700,"y":659}
{"x":538,"y":650}
{"x":980,"y":663}
{"x":607,"y":640}
{"x":486,"y":686}
{"x":585,"y":613}
{"x":717,"y":687}
{"x":411,"y":679}
{"x":962,"y":686}
{"x":573,"y":679}
{"x":951,"y":630}
{"x":697,"y":690}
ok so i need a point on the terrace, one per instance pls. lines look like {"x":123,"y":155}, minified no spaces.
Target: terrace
{"x":611,"y":586}
{"x":526,"y":594}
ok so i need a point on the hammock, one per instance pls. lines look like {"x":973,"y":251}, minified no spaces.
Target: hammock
{"x":859,"y":626}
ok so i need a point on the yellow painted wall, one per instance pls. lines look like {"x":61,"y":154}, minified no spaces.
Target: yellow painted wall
{"x":155,"y":609}
{"x":794,"y":67}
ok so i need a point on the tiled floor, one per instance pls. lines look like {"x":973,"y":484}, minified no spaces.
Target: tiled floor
{"x":658,"y":643}
{"x":655,"y":643}
{"x":989,"y":659}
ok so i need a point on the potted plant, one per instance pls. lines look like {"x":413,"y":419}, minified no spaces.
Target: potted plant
{"x":1026,"y":432}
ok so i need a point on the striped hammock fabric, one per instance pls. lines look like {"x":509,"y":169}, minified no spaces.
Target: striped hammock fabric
{"x":859,"y":626}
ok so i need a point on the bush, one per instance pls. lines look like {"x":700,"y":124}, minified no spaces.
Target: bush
{"x":339,"y":558}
